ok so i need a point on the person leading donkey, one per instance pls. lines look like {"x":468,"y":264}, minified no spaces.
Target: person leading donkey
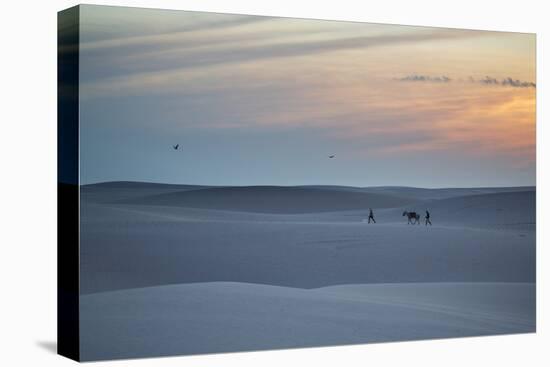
{"x":428,"y":217}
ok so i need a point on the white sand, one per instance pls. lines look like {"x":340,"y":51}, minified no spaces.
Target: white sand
{"x":226,"y":317}
{"x":162,"y":279}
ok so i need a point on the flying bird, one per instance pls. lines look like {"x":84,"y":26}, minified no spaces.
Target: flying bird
{"x":176,"y":146}
{"x":331,"y":156}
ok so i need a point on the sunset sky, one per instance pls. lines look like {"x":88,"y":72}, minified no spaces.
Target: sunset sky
{"x":264,"y":101}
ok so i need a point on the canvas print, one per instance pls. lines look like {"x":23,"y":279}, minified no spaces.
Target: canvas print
{"x":238,"y":183}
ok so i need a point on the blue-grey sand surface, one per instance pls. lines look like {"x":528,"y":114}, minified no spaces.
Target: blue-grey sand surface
{"x":187,"y":269}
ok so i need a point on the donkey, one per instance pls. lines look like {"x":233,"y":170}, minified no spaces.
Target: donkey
{"x":412,"y":217}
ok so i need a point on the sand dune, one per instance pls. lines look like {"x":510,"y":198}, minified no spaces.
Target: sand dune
{"x":380,"y":197}
{"x":123,"y":190}
{"x":443,"y":193}
{"x":506,"y":210}
{"x":271,"y":199}
{"x":227,"y":317}
{"x":418,"y":193}
{"x":138,"y":185}
{"x":192,"y":269}
{"x":133,"y":246}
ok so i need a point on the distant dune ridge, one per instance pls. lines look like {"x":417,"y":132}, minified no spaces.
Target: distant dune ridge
{"x":213,"y":269}
{"x":273,"y":199}
{"x":123,"y":190}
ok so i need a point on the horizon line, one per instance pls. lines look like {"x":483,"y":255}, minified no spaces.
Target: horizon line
{"x":305,"y":185}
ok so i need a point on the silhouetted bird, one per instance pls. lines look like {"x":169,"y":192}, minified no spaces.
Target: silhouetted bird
{"x":331,"y":156}
{"x":176,"y":146}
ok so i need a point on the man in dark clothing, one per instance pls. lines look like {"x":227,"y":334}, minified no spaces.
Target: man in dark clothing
{"x":371,"y":216}
{"x":428,"y":217}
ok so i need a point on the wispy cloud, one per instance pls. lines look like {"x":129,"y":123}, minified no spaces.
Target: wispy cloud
{"x":175,"y":35}
{"x":425,"y":78}
{"x":167,"y":69}
{"x":507,"y":82}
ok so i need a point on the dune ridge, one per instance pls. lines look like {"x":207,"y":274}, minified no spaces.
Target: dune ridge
{"x":224,"y":316}
{"x":271,"y":199}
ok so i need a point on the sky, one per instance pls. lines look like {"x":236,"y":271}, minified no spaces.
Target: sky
{"x":265,"y":101}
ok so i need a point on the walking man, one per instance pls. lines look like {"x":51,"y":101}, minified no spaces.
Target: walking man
{"x":428,"y":217}
{"x":371,"y":216}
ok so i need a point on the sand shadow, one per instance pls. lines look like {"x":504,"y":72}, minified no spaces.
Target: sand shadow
{"x":48,"y":345}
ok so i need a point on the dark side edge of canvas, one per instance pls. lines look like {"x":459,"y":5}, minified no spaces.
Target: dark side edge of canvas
{"x":68,"y":248}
